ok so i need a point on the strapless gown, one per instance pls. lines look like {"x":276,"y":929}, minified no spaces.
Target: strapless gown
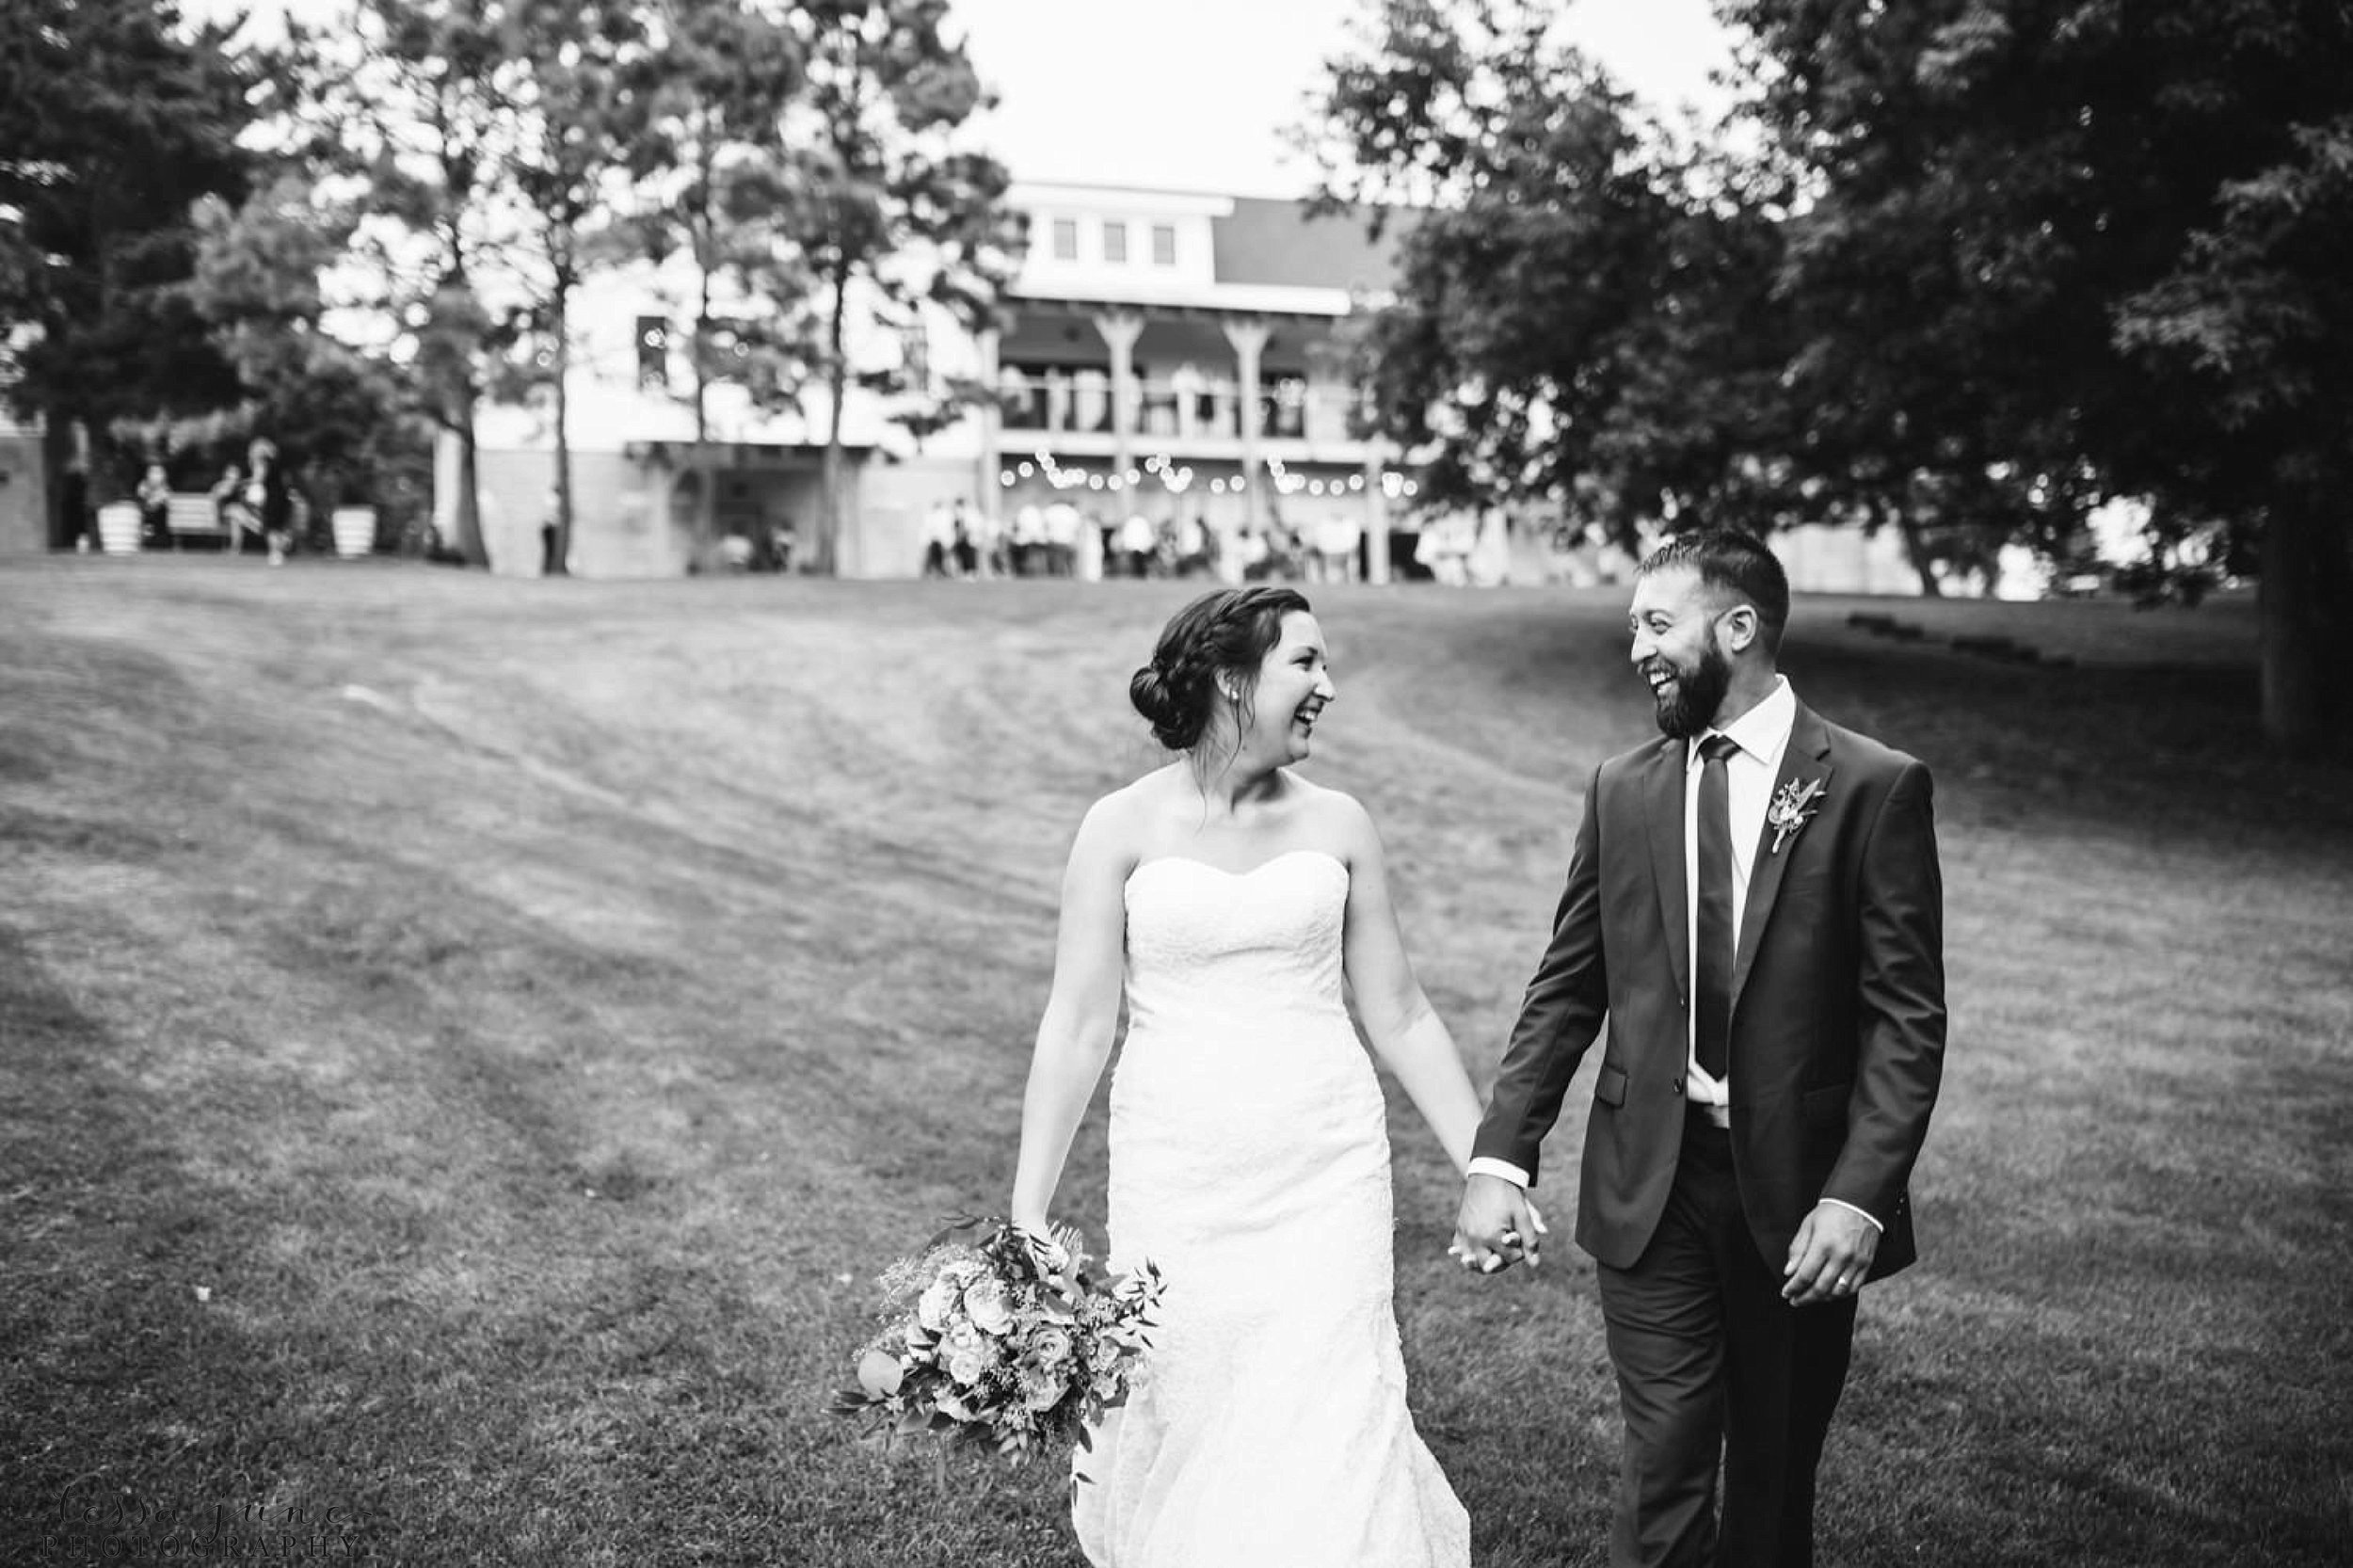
{"x":1250,"y":1160}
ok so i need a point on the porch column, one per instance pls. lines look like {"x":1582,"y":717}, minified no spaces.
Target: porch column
{"x":1248,"y":338}
{"x":992,"y":426}
{"x":1120,"y":330}
{"x":1376,"y":517}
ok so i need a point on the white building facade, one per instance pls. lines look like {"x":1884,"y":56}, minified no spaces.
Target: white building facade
{"x":1172,"y":355}
{"x":24,"y":528}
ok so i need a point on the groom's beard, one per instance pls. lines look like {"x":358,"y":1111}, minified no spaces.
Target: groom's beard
{"x":1688,"y":708}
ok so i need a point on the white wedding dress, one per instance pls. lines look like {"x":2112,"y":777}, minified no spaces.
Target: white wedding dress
{"x":1250,"y":1161}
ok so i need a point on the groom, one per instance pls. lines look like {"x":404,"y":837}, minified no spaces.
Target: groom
{"x":1753,"y":904}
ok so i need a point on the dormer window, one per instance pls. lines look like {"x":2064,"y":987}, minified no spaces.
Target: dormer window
{"x":1163,"y":245}
{"x":1066,"y":239}
{"x":1114,"y":242}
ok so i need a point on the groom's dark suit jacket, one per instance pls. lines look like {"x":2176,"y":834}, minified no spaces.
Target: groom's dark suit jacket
{"x":1838,"y":1000}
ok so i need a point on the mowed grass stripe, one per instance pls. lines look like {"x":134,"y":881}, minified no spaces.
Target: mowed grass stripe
{"x":534,"y":1011}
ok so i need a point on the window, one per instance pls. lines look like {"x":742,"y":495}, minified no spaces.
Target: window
{"x":1066,"y":239}
{"x":653,"y":354}
{"x":1163,"y":245}
{"x":1114,"y":242}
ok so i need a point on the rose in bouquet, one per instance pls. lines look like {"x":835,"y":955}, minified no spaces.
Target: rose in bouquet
{"x":992,"y":1335}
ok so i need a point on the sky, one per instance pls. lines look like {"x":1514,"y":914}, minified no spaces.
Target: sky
{"x":1193,"y":94}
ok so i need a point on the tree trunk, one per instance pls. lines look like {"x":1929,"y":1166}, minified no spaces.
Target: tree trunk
{"x":561,"y":552}
{"x":829,"y":534}
{"x":702,"y":358}
{"x":1916,"y":551}
{"x":467,"y":520}
{"x":2307,"y":626}
{"x":56,"y":461}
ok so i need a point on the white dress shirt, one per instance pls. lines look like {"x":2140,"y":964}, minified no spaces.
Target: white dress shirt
{"x":1762,"y":734}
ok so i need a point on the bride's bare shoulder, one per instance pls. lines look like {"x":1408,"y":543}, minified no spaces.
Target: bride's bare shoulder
{"x":1118,"y":823}
{"x":1333,"y":815}
{"x":1140,"y":797}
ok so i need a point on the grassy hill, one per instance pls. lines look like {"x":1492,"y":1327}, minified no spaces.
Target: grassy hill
{"x":466,"y":1046}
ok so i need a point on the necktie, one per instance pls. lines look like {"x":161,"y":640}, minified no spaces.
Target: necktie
{"x":1711,"y":987}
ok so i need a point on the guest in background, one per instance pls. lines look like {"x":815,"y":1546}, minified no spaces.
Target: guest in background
{"x":266,"y":498}
{"x":1286,"y":551}
{"x":1487,"y":564}
{"x":1192,"y":548}
{"x":1337,"y":538}
{"x":1251,"y":553}
{"x":1062,"y":527}
{"x":1138,"y":542}
{"x":1445,"y":547}
{"x":155,"y":498}
{"x":237,"y":520}
{"x":1027,"y":541}
{"x":81,"y":518}
{"x":963,"y":546}
{"x":939,"y":537}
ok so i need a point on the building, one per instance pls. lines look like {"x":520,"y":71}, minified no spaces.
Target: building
{"x":1170,"y":354}
{"x":23,"y":493}
{"x":1182,"y":355}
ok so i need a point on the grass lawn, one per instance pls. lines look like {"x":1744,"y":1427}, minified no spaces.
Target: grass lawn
{"x":466,"y":1046}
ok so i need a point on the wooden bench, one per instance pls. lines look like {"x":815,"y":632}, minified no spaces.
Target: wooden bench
{"x":195,"y":517}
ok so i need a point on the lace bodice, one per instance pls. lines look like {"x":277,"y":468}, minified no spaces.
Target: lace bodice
{"x":1206,"y":946}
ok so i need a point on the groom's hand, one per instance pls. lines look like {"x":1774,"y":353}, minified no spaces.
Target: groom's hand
{"x":1830,"y":1258}
{"x":1496,"y":1227}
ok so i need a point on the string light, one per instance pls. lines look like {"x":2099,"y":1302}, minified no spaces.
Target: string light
{"x":1175,"y":479}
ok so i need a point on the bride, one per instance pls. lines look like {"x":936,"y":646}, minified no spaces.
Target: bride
{"x":1249,"y":1150}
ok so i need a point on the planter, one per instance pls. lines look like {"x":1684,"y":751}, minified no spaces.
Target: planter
{"x":119,"y":528}
{"x":355,"y":530}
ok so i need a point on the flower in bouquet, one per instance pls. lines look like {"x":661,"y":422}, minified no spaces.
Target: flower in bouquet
{"x":993,"y":1335}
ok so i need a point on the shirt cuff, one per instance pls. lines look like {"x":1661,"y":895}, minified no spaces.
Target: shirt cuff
{"x":1848,"y":1207}
{"x":1487,"y":1166}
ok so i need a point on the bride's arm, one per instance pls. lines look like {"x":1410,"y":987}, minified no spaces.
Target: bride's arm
{"x":1405,"y":1031}
{"x":1074,"y":1037}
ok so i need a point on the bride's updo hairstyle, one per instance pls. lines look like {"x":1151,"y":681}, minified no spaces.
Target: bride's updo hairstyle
{"x":1226,"y":633}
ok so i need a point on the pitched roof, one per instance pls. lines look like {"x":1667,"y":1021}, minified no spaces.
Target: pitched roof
{"x":1272,"y":241}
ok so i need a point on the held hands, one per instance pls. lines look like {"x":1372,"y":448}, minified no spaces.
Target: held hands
{"x":1830,"y":1258}
{"x":1496,"y":1227}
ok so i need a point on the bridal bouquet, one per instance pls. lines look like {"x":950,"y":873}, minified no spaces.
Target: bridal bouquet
{"x":995,"y":1336}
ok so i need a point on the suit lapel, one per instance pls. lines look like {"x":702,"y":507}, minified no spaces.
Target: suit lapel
{"x":1806,"y":758}
{"x":1662,"y":813}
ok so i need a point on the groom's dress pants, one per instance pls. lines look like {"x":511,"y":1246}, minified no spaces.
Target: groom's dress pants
{"x":1710,"y":1358}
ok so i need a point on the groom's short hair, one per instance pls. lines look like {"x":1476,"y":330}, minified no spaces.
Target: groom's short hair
{"x":1732,"y":562}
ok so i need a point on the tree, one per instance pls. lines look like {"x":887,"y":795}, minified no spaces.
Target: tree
{"x":2255,"y":325}
{"x":342,"y":419}
{"x":714,"y":94}
{"x":2063,"y":251}
{"x":113,"y":118}
{"x":886,"y":210}
{"x":1581,"y":314}
{"x":405,"y":124}
{"x":577,"y":90}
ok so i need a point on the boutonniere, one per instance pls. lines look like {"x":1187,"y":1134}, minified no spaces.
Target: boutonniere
{"x":1793,"y":806}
